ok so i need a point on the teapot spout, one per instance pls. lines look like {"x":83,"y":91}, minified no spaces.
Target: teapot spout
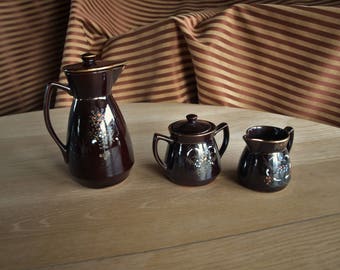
{"x":116,"y":71}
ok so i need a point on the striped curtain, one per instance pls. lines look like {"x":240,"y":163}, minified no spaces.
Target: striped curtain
{"x":276,"y":56}
{"x":32,"y":35}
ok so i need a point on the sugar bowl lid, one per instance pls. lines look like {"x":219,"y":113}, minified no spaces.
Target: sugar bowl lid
{"x":191,"y":126}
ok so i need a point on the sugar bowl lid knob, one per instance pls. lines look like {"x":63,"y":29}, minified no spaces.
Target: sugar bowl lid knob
{"x":191,"y":118}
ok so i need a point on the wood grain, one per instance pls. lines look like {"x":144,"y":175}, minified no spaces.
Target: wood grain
{"x":308,"y":244}
{"x":47,"y":220}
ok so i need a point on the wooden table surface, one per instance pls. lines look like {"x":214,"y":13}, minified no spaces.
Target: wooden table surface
{"x":48,"y":221}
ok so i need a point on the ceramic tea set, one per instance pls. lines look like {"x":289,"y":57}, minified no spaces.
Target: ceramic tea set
{"x":99,"y":149}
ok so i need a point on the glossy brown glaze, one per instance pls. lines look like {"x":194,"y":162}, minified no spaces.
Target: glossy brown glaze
{"x":265,"y":163}
{"x":192,"y":156}
{"x":98,"y":149}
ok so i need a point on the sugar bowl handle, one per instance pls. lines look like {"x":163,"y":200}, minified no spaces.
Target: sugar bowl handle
{"x":46,"y":107}
{"x":223,"y":126}
{"x":156,"y":138}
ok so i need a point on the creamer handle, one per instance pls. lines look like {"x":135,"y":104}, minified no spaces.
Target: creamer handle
{"x":290,"y":131}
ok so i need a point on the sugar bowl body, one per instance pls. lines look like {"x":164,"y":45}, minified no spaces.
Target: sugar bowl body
{"x":192,"y":157}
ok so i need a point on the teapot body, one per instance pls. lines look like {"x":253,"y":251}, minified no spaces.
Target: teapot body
{"x":99,"y":148}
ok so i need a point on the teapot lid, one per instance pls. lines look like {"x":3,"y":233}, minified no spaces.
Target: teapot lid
{"x":191,"y":126}
{"x":91,"y":64}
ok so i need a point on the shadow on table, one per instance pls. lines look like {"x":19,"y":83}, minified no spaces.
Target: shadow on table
{"x":226,"y":177}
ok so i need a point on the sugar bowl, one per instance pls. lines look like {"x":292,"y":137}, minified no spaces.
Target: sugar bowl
{"x":192,"y":157}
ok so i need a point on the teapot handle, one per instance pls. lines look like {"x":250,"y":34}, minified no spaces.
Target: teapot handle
{"x":156,"y":138}
{"x":290,"y":132}
{"x":46,"y":107}
{"x":223,"y":126}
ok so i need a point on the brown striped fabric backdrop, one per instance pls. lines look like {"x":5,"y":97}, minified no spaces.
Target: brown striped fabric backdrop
{"x":32,"y":35}
{"x":277,"y":56}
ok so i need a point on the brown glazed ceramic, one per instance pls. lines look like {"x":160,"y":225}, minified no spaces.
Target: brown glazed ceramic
{"x":192,"y":156}
{"x":265,"y":163}
{"x":98,"y":148}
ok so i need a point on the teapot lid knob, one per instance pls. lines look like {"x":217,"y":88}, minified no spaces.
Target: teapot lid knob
{"x":89,"y":59}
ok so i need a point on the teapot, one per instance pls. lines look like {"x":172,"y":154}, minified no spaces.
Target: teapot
{"x":265,"y":162}
{"x":192,"y":156}
{"x":98,"y":147}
